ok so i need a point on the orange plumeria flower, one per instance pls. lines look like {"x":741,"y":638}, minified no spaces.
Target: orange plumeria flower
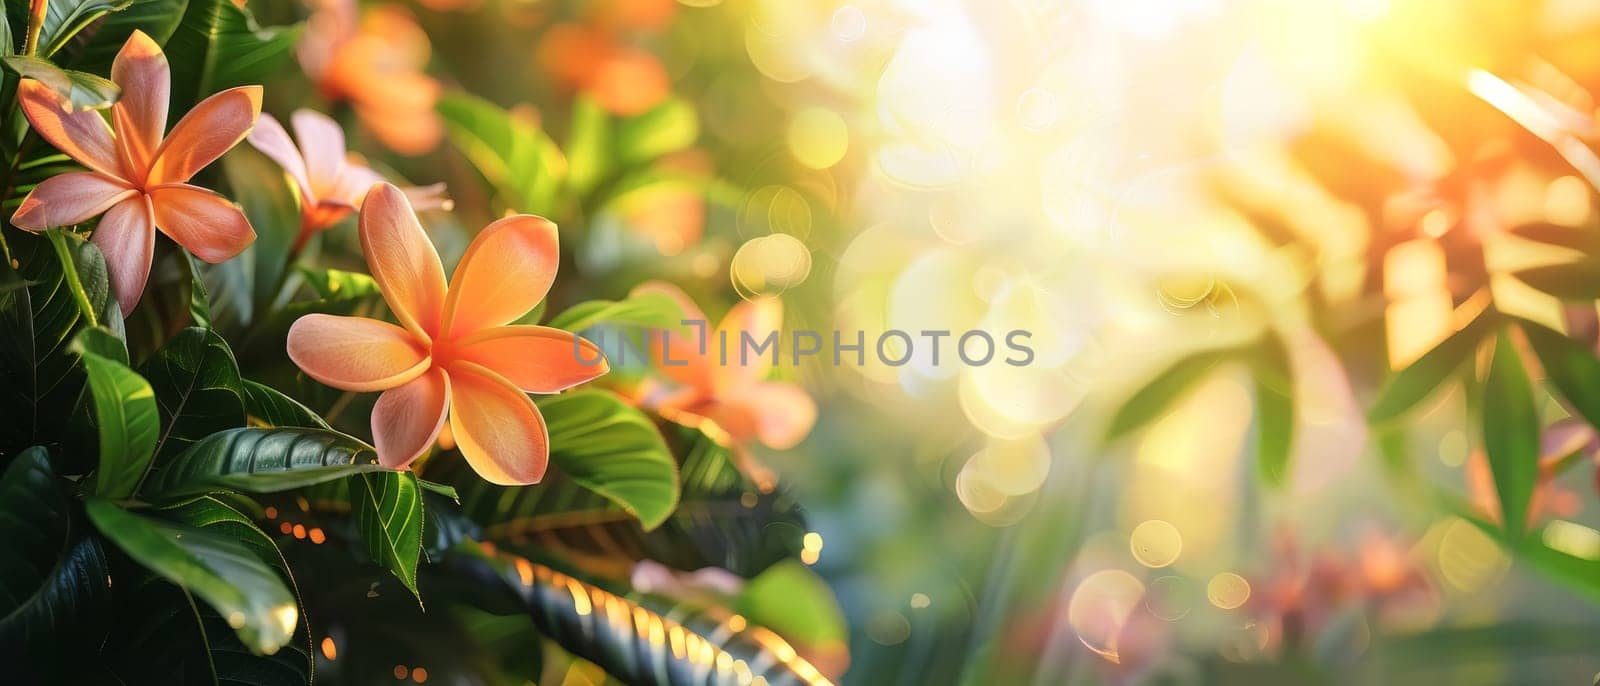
{"x":331,"y":183}
{"x":732,"y":394}
{"x":624,"y":80}
{"x":136,"y":178}
{"x":376,"y":64}
{"x":454,"y":354}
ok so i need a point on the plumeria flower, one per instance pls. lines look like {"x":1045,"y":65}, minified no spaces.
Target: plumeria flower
{"x":731,"y":394}
{"x":136,"y":178}
{"x":375,"y":63}
{"x":331,"y":182}
{"x":624,"y":80}
{"x":455,"y":353}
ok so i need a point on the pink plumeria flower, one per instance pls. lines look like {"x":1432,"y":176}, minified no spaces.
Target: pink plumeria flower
{"x":331,"y":182}
{"x":137,"y":178}
{"x":454,"y":353}
{"x":732,"y":395}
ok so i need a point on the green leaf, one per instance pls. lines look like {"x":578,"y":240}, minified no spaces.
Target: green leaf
{"x":523,"y":164}
{"x":588,"y":144}
{"x":129,"y":424}
{"x":388,"y":512}
{"x":266,"y":405}
{"x":1578,"y":281}
{"x":605,"y":445}
{"x":1410,"y":386}
{"x":1274,"y":390}
{"x":42,"y":379}
{"x":171,"y":298}
{"x":221,"y":570}
{"x":86,"y":279}
{"x":1511,"y":434}
{"x":197,"y":383}
{"x":1570,"y":366}
{"x":52,"y":577}
{"x":632,"y":642}
{"x":262,"y":461}
{"x":218,"y":45}
{"x":792,"y":600}
{"x":100,"y":341}
{"x":332,"y":284}
{"x":156,"y":18}
{"x":669,"y":127}
{"x":1156,"y":397}
{"x":63,"y":20}
{"x":269,"y":201}
{"x":80,"y":90}
{"x":646,"y":310}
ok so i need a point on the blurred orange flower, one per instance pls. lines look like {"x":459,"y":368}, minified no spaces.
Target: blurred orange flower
{"x":331,"y":183}
{"x":730,"y":394}
{"x":376,"y":64}
{"x":455,"y":353}
{"x":624,"y":80}
{"x":137,"y":178}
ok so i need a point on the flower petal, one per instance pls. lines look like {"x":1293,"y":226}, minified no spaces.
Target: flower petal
{"x":783,"y":413}
{"x":213,"y":127}
{"x":497,"y":428}
{"x":505,"y":272}
{"x":355,"y":353}
{"x":127,"y":237}
{"x":407,"y":418}
{"x":67,"y":199}
{"x":402,"y":260}
{"x":537,"y":359}
{"x":684,"y":356}
{"x":759,"y":318}
{"x":201,"y":221}
{"x":83,"y":135}
{"x":322,"y":142}
{"x":269,"y":137}
{"x":140,"y":70}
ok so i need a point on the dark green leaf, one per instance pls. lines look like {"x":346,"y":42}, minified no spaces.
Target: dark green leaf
{"x":1511,"y":434}
{"x":1571,"y":367}
{"x":1156,"y":397}
{"x":647,"y":310}
{"x":633,"y":643}
{"x":63,"y":20}
{"x":197,"y":384}
{"x":266,"y":405}
{"x":267,"y":197}
{"x":128,"y":422}
{"x":53,"y":579}
{"x":219,"y":569}
{"x":218,"y":45}
{"x":1421,"y":378}
{"x":262,"y":461}
{"x":82,"y":91}
{"x":156,"y":18}
{"x":1568,"y":281}
{"x":388,"y":512}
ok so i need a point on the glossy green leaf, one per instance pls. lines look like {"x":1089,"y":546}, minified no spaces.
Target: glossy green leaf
{"x":82,"y":91}
{"x":156,"y":18}
{"x":197,"y":384}
{"x":794,"y":601}
{"x":128,"y":422}
{"x":1158,"y":396}
{"x":522,"y":163}
{"x":1511,"y":434}
{"x":634,"y":643}
{"x":607,"y":446}
{"x":262,"y":461}
{"x":1570,"y":366}
{"x":646,"y":310}
{"x":388,"y":512}
{"x":41,"y":377}
{"x":63,"y":20}
{"x":267,"y":406}
{"x":1410,"y":386}
{"x":219,"y":45}
{"x":52,"y":576}
{"x":218,"y":569}
{"x":1578,"y":281}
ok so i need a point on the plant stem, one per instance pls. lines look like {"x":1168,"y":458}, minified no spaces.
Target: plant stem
{"x":36,"y":14}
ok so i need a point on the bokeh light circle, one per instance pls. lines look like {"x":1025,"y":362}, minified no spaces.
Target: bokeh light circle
{"x":1156,"y":543}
